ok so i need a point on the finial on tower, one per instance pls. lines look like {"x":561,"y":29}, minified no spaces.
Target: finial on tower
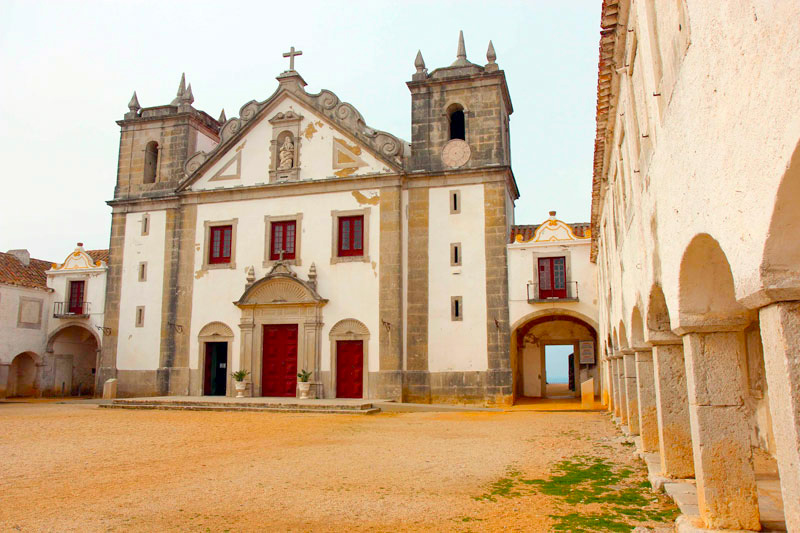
{"x":133,"y":107}
{"x":491,"y":56}
{"x":188,"y":97}
{"x":222,"y":118}
{"x":461,"y":53}
{"x":419,"y":63}
{"x":181,"y":90}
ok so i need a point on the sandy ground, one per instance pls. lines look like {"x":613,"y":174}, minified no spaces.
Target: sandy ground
{"x":75,"y":467}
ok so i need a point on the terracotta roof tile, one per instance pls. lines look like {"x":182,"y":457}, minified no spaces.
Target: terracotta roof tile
{"x":98,"y":255}
{"x":14,"y":272}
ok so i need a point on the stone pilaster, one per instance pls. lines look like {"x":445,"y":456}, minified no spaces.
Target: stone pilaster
{"x":780,"y":335}
{"x":176,"y":303}
{"x":631,"y":395}
{"x":672,"y":409}
{"x":499,"y":379}
{"x":723,"y":459}
{"x":4,"y":369}
{"x":108,"y":355}
{"x":619,"y":396}
{"x":390,"y":297}
{"x":645,"y":388}
{"x":416,"y":383}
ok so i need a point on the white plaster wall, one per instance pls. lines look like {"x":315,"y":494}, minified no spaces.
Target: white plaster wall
{"x":95,"y":294}
{"x":139,"y":348}
{"x":522,"y":270}
{"x":14,"y":340}
{"x":532,"y":370}
{"x":721,"y":147}
{"x":351,"y":288}
{"x":205,"y":143}
{"x":316,"y":150}
{"x":456,"y":345}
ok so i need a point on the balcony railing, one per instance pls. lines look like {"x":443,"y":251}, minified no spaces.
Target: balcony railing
{"x":70,"y":309}
{"x":567,"y":294}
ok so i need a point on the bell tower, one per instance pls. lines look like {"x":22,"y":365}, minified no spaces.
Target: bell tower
{"x":156,"y":141}
{"x":459,"y":114}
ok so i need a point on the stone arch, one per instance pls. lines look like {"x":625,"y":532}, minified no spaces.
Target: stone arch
{"x":349,"y":329}
{"x":552,"y":312}
{"x":150,"y":163}
{"x":623,"y":339}
{"x":23,"y":375}
{"x":217,"y":329}
{"x":637,"y":328}
{"x":615,"y":337}
{"x":657,"y":312}
{"x":780,"y":263}
{"x":73,"y":361}
{"x":706,"y":291}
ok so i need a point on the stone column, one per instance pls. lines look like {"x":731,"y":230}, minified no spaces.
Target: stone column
{"x":780,"y":336}
{"x":605,"y":385}
{"x":645,"y":388}
{"x":247,"y":327}
{"x":631,"y":396}
{"x":672,"y":404}
{"x":723,"y":459}
{"x":616,"y":386}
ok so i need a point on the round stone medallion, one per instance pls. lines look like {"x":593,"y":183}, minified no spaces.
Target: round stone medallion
{"x":455,"y":153}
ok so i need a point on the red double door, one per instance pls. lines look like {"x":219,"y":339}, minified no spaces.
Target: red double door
{"x":349,"y":369}
{"x":279,"y":366}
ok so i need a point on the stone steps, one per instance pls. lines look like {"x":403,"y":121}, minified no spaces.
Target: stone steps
{"x":357,"y":408}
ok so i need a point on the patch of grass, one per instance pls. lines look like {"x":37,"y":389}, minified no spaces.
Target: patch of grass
{"x":575,"y":522}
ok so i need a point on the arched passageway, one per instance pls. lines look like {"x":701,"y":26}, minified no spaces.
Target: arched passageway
{"x":538,"y":338}
{"x":23,"y":376}
{"x":74,"y":362}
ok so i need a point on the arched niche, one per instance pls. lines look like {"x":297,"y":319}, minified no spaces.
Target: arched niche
{"x":281,"y":298}
{"x":348,"y":329}
{"x":658,"y":324}
{"x":72,"y":361}
{"x":706,"y":292}
{"x":637,"y":328}
{"x":23,"y":375}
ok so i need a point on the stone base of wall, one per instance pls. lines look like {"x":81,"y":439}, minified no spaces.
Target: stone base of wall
{"x":416,"y":386}
{"x":499,"y":387}
{"x":458,"y":387}
{"x":136,"y":383}
{"x":386,"y":385}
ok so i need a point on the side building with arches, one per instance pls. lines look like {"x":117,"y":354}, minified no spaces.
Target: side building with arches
{"x":694,"y":234}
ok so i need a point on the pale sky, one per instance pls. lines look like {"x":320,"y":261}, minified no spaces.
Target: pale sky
{"x":68,"y":69}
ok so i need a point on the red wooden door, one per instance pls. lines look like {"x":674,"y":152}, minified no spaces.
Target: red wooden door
{"x":279,"y":367}
{"x":552,"y":277}
{"x":349,"y":369}
{"x":76,"y":297}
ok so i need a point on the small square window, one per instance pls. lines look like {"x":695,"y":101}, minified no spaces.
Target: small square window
{"x":140,"y":316}
{"x":351,"y":236}
{"x":456,"y":308}
{"x":282,"y":239}
{"x":220,"y":245}
{"x":455,"y":254}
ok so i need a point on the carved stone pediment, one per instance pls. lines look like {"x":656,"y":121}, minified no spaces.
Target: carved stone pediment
{"x":280,"y":287}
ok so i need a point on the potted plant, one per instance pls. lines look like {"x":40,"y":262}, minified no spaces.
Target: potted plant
{"x":239,"y":378}
{"x":303,"y":385}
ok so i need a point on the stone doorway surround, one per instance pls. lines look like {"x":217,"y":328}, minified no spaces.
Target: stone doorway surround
{"x":348,"y":329}
{"x":281,"y":297}
{"x":214,"y":332}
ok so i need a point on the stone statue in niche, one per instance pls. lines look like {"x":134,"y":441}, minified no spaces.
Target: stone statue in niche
{"x":286,"y":154}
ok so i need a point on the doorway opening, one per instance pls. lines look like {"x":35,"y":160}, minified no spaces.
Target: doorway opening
{"x":215,"y":381}
{"x":559,"y":371}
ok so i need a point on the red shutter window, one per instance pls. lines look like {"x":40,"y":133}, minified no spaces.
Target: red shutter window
{"x":220,"y":251}
{"x":351,"y":236}
{"x":76,"y":297}
{"x":283,"y":238}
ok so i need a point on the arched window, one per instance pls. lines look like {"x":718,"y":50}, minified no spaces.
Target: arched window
{"x":456,"y":115}
{"x":150,"y":162}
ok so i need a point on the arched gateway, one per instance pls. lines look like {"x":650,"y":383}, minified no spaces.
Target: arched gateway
{"x":281,"y":326}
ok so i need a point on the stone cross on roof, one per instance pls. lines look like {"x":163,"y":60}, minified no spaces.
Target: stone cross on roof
{"x":290,"y":54}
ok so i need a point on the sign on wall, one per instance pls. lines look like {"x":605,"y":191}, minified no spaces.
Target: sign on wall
{"x":587,"y":352}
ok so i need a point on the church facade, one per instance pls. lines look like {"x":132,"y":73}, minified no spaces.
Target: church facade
{"x":295,"y":237}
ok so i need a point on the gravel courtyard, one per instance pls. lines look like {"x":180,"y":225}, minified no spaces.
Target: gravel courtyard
{"x":74,"y":467}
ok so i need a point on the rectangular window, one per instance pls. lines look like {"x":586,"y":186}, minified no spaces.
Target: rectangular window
{"x":351,"y":236}
{"x":140,"y":316}
{"x":455,"y":202}
{"x":283,"y":239}
{"x":220,"y":246}
{"x":456,"y":308}
{"x":455,"y":254}
{"x":552,"y":277}
{"x":145,"y":224}
{"x":143,"y":271}
{"x":76,"y":292}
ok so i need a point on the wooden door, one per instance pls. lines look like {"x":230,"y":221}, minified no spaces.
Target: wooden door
{"x":215,"y":382}
{"x":349,"y":369}
{"x":552,"y":277}
{"x":279,"y":366}
{"x":76,"y":297}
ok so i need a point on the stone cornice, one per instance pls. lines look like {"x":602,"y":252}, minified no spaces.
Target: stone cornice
{"x":499,"y":74}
